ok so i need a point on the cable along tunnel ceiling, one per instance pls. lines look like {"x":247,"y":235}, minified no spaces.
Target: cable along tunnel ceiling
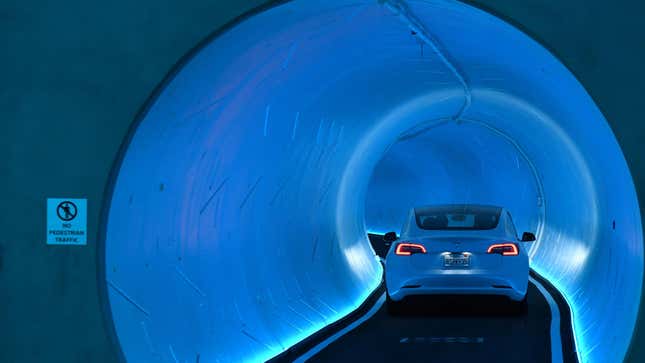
{"x":237,"y":223}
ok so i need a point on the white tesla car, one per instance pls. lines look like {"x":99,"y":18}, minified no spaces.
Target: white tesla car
{"x":457,"y":249}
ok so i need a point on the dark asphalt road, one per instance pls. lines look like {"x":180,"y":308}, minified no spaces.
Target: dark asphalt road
{"x":452,"y":329}
{"x":478,"y":334}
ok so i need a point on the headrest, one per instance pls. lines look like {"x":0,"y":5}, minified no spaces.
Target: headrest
{"x":434,"y":221}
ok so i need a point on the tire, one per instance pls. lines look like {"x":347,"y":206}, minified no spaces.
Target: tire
{"x":393,"y":307}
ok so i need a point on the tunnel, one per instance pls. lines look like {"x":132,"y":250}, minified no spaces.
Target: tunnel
{"x":237,"y":223}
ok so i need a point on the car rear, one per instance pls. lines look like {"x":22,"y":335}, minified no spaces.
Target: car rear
{"x":457,"y":265}
{"x":472,"y":260}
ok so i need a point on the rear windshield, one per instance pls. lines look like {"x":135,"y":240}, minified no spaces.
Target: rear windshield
{"x":457,"y":217}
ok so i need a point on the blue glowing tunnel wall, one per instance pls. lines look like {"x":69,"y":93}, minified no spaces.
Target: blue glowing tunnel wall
{"x":237,"y":224}
{"x":452,"y":162}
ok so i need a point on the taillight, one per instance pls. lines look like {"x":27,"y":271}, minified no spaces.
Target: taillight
{"x":407,"y":249}
{"x":505,"y":249}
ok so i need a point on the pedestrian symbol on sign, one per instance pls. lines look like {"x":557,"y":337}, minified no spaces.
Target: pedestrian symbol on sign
{"x":66,"y":211}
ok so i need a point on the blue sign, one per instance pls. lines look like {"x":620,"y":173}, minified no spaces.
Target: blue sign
{"x":66,"y":221}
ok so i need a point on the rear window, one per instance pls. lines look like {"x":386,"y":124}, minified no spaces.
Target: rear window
{"x":457,"y":217}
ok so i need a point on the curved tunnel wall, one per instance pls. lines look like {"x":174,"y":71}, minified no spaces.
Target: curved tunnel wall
{"x":237,"y":224}
{"x":453,"y":163}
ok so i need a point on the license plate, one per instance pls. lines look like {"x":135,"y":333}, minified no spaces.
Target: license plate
{"x":456,"y":260}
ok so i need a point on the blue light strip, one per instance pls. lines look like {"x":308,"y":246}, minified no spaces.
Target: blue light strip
{"x":297,"y":338}
{"x":578,"y":338}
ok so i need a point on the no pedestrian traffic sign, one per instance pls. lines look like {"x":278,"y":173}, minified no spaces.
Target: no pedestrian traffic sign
{"x":66,"y":221}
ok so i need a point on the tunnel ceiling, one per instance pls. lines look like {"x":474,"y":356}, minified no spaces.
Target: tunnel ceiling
{"x":453,"y":163}
{"x":237,"y":223}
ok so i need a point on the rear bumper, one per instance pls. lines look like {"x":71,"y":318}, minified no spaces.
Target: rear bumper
{"x":457,"y":284}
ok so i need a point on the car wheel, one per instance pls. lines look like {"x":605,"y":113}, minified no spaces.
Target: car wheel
{"x":393,"y":307}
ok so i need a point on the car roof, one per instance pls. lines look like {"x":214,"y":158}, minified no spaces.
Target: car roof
{"x":411,"y":229}
{"x":461,"y":205}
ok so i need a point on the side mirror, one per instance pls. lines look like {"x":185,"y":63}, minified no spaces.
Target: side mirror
{"x":389,"y":237}
{"x":528,"y":237}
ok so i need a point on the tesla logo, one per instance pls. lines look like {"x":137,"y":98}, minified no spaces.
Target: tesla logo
{"x":463,"y":340}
